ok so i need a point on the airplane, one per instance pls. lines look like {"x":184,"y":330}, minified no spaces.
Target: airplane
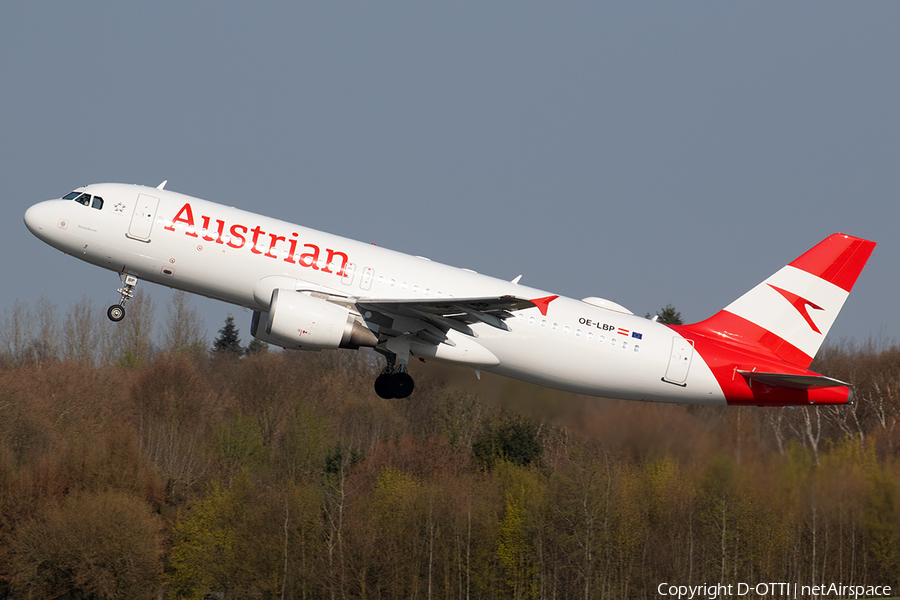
{"x":311,"y":290}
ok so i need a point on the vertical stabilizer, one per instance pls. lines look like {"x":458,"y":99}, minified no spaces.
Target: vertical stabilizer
{"x":791,"y":312}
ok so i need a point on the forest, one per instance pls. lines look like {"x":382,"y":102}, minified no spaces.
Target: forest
{"x":140,"y":460}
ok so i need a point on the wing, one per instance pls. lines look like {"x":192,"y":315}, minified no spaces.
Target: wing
{"x":446,"y":313}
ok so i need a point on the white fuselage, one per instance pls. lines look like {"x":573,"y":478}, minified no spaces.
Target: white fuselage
{"x":207,"y":248}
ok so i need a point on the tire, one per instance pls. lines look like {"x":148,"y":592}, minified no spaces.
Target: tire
{"x":383,"y":387}
{"x":401,"y":385}
{"x":116,"y":313}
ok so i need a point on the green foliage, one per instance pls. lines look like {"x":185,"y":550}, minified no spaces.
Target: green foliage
{"x":229,"y":342}
{"x":237,"y":442}
{"x":395,"y":497}
{"x":301,"y":448}
{"x":510,"y":438}
{"x":339,"y":460}
{"x":513,"y":544}
{"x":206,"y":554}
{"x":518,"y":531}
{"x":246,"y":540}
{"x":256,"y":347}
{"x":882,"y":524}
{"x":668,"y":316}
{"x":281,"y":474}
{"x":129,"y":360}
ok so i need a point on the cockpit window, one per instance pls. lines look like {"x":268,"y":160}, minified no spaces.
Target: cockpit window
{"x":82,"y":198}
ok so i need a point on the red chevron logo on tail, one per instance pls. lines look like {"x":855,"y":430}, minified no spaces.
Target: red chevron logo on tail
{"x":800,"y":304}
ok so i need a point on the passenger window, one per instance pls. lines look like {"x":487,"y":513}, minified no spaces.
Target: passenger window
{"x":98,"y":203}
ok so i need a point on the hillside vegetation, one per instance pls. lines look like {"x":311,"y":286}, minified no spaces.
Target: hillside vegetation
{"x":130,"y":469}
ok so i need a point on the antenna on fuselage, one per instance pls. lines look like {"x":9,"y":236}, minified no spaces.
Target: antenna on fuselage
{"x":162,"y":185}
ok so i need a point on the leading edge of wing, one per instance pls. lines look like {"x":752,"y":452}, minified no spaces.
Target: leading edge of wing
{"x":791,"y":380}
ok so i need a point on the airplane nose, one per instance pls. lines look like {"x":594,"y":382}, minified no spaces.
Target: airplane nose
{"x":32,"y":221}
{"x":36,"y":218}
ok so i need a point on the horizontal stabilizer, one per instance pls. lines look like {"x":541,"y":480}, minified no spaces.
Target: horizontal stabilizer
{"x":791,"y":380}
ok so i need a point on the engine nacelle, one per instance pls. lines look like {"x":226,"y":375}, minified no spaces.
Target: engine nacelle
{"x":296,"y":320}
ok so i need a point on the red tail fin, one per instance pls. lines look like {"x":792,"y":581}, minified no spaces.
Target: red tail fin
{"x":791,"y":312}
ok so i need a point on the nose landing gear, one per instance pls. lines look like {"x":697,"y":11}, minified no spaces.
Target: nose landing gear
{"x":394,"y":382}
{"x":116,"y":312}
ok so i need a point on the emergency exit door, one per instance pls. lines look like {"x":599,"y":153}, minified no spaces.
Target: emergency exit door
{"x":679,"y":361}
{"x":143,"y":217}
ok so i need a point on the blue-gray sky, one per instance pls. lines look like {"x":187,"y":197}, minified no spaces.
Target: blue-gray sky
{"x":649,"y":153}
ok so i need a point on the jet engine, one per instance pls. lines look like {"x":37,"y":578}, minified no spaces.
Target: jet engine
{"x":297,"y":320}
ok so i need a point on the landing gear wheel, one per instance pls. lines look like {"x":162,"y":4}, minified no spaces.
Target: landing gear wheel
{"x":116,"y":313}
{"x":383,"y":386}
{"x":394,"y":385}
{"x":394,"y":381}
{"x":401,"y":385}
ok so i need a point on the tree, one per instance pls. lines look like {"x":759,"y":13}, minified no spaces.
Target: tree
{"x":91,"y":545}
{"x":668,"y":316}
{"x":132,"y":341}
{"x":45,"y":345}
{"x":510,"y":438}
{"x":228,"y":342}
{"x":80,"y":334}
{"x":184,"y":327}
{"x":256,"y":347}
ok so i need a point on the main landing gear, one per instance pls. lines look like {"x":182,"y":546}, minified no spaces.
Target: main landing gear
{"x":116,"y":312}
{"x":394,"y":381}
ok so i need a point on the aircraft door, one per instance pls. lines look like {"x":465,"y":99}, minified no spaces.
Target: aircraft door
{"x":347,"y":277}
{"x":143,"y":217}
{"x":368,"y":275}
{"x":679,"y":361}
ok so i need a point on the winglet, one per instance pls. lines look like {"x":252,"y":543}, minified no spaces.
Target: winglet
{"x":543,"y":303}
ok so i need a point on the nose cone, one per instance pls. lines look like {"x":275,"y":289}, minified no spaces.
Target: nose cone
{"x":40,"y":218}
{"x":32,"y":219}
